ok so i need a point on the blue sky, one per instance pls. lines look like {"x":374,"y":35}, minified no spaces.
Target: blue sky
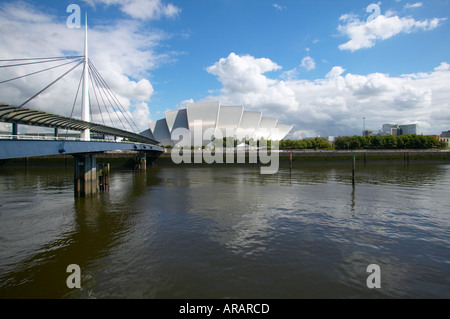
{"x":320,"y":65}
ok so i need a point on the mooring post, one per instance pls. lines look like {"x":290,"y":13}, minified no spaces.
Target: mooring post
{"x":290,"y":161}
{"x":103,"y":176}
{"x":85,"y":175}
{"x":353,"y":169}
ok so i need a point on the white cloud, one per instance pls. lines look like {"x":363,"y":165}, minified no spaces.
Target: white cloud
{"x":364,"y":34}
{"x":279,"y":7}
{"x":413,"y":5}
{"x":141,"y":9}
{"x":243,"y":73}
{"x":308,"y":63}
{"x":335,"y":104}
{"x":27,"y":32}
{"x":141,"y":115}
{"x":289,"y":75}
{"x":182,"y":104}
{"x":443,"y":67}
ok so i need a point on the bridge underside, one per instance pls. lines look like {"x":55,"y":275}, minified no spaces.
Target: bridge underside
{"x":13,"y":148}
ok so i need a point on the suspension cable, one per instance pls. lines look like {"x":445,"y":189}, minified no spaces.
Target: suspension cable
{"x":67,"y":72}
{"x":99,"y":78}
{"x":33,"y":73}
{"x":49,"y":58}
{"x":29,"y":63}
{"x":74,"y":102}
{"x":118,"y":102}
{"x":96,"y":98}
{"x":101,"y":93}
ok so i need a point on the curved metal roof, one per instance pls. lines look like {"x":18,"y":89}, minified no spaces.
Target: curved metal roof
{"x":20,"y":115}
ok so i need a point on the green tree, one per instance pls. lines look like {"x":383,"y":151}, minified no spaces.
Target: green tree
{"x":390,"y":142}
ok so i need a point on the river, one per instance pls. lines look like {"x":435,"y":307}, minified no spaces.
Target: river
{"x":229,"y":232}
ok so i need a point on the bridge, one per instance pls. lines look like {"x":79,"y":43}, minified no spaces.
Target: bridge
{"x":93,"y":139}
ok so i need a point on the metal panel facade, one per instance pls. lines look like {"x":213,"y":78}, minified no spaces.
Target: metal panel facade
{"x":283,"y":130}
{"x":231,"y":120}
{"x":265,"y":126}
{"x":177,"y":119}
{"x":249,"y":123}
{"x":161,"y":132}
{"x":205,"y":116}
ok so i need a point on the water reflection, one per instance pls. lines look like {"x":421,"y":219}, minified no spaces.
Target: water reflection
{"x":221,"y":232}
{"x":97,"y":226}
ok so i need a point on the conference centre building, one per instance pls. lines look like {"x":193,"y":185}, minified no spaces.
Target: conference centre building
{"x":211,"y":120}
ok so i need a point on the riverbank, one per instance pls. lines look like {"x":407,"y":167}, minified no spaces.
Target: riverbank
{"x":339,"y":155}
{"x":127,"y":159}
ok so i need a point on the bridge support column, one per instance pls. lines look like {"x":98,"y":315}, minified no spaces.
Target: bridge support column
{"x":141,"y":162}
{"x":85,"y":175}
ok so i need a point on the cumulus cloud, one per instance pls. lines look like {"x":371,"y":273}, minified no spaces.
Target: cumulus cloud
{"x":243,"y":73}
{"x":141,"y":9}
{"x":308,"y":63}
{"x":364,"y":34}
{"x":335,"y":104}
{"x":28,"y":32}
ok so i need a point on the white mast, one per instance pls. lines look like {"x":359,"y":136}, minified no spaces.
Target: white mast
{"x":85,"y":108}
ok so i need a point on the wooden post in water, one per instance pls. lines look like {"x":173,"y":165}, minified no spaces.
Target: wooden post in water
{"x":290,"y":161}
{"x":353,"y":169}
{"x":103,"y":176}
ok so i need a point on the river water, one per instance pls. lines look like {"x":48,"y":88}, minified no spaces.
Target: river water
{"x":229,"y":232}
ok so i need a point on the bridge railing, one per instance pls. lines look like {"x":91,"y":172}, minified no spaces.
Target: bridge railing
{"x":56,"y":138}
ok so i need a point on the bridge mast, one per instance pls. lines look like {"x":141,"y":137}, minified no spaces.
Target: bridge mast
{"x":85,"y":108}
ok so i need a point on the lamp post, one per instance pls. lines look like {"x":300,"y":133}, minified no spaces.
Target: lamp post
{"x":364,"y":126}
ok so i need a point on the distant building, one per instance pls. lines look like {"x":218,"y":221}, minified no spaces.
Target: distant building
{"x":436,"y":137}
{"x":398,"y":130}
{"x":367,"y":133}
{"x":445,"y":137}
{"x":446,"y":140}
{"x":408,"y":129}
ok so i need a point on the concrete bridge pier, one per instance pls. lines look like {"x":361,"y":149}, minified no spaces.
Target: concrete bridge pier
{"x":141,"y":162}
{"x":85,"y":175}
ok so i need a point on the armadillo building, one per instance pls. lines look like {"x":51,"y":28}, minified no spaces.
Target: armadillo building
{"x":210,"y":119}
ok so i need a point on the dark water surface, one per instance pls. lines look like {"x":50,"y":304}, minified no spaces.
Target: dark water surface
{"x":228,"y":232}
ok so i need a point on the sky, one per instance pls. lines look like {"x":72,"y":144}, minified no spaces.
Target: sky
{"x":329,"y":68}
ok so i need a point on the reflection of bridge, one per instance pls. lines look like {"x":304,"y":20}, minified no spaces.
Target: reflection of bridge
{"x":83,"y":148}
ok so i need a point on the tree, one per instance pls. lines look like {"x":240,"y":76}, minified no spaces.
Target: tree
{"x":390,"y":142}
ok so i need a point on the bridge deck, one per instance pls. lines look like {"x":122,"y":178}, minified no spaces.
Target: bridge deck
{"x":20,"y":148}
{"x":21,"y":115}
